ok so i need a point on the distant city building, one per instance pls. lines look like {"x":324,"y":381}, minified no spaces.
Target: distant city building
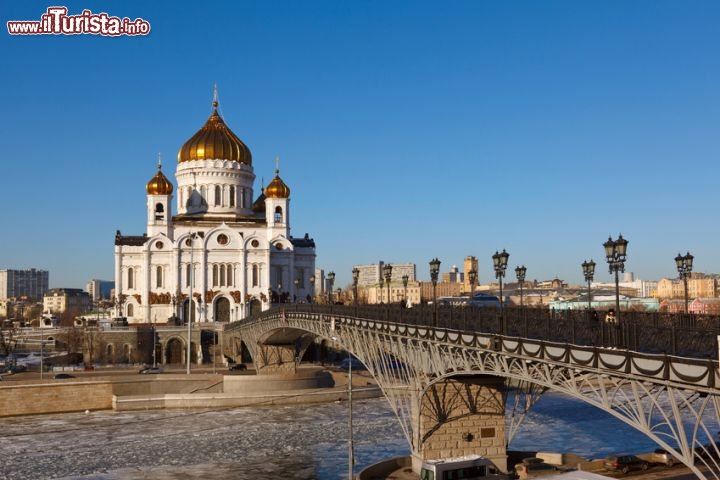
{"x":31,"y":284}
{"x":453,"y":276}
{"x":398,"y":293}
{"x":705,"y":306}
{"x":59,"y":300}
{"x":371,"y":275}
{"x":100,"y":289}
{"x":631,"y":286}
{"x":698,"y":285}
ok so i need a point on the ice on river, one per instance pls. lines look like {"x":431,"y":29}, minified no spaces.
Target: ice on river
{"x":292,"y":443}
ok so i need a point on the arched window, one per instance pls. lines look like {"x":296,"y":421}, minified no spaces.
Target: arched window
{"x":278,"y":215}
{"x":130,"y":310}
{"x":203,"y":195}
{"x":255,"y":275}
{"x":222,"y":275}
{"x":230,"y":276}
{"x":232,"y":195}
{"x":188,"y":269}
{"x":215,"y":275}
{"x":218,"y":195}
{"x":159,"y":277}
{"x":131,"y":278}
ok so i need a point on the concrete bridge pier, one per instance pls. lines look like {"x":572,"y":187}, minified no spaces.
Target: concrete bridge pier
{"x":461,"y":415}
{"x":275,"y":358}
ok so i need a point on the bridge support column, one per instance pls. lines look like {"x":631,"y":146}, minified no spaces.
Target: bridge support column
{"x":272,"y":358}
{"x":460,"y":416}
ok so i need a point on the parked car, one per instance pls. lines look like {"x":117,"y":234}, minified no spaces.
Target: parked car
{"x":351,"y":362}
{"x":662,"y":457}
{"x":238,"y":367}
{"x":151,"y":370}
{"x":625,"y":463}
{"x":59,"y":376}
{"x":13,"y":369}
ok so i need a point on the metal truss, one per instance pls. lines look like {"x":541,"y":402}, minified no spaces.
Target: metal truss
{"x":672,"y":401}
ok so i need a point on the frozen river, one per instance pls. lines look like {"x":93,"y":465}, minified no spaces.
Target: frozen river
{"x":291,"y":443}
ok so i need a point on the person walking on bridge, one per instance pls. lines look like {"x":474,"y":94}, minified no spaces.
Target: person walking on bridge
{"x":611,"y":325}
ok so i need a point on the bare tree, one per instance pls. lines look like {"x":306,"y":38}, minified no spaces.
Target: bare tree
{"x":8,"y":337}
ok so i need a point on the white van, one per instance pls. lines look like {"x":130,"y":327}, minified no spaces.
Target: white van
{"x":466,"y":468}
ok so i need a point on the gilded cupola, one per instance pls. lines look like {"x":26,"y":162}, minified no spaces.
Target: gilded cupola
{"x":277,"y":188}
{"x":159,"y":184}
{"x":215,"y":141}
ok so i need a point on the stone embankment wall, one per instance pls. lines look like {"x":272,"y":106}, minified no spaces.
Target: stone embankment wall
{"x":133,"y":392}
{"x":54,"y":398}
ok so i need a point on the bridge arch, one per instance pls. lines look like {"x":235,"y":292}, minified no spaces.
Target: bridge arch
{"x":672,"y":400}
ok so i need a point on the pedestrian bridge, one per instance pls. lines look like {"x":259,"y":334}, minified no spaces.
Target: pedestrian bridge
{"x":461,"y":380}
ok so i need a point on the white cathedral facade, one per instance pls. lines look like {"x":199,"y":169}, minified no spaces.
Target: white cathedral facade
{"x":231,"y":255}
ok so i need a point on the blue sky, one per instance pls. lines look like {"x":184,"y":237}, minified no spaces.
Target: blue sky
{"x":405,"y":130}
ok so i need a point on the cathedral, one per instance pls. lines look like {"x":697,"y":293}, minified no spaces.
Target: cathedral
{"x":225,"y":254}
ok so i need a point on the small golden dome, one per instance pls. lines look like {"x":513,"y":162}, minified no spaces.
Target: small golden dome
{"x":159,"y":184}
{"x":259,"y":204}
{"x":277,"y":188}
{"x":215,"y":141}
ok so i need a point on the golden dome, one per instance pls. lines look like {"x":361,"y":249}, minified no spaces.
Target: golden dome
{"x":215,"y":141}
{"x":277,"y":188}
{"x":159,"y":184}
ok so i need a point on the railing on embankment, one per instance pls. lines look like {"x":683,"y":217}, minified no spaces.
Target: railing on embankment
{"x":690,"y":336}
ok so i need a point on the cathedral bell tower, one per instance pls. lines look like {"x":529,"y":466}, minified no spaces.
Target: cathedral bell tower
{"x":277,"y":202}
{"x":159,"y":195}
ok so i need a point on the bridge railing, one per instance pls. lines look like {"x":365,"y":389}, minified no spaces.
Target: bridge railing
{"x":692,"y":336}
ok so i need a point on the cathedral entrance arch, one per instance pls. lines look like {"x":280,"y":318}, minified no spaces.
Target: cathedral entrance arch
{"x":255,"y":307}
{"x":174,"y":351}
{"x":222,"y":310}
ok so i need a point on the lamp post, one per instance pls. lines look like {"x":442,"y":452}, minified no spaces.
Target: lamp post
{"x":500,"y":261}
{"x":434,"y":272}
{"x":297,"y":285}
{"x":472,"y":278}
{"x":405,"y":279}
{"x":684,"y":267}
{"x":331,"y":280}
{"x":615,"y":253}
{"x":191,"y":300}
{"x":589,"y":272}
{"x":387,"y":273}
{"x":355,"y":278}
{"x":520,"y":273}
{"x":279,"y":290}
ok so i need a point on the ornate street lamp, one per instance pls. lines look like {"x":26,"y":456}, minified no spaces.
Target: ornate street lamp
{"x":684,"y":267}
{"x":434,"y":272}
{"x":500,"y":261}
{"x":405,"y":282}
{"x":589,"y":272}
{"x":331,"y":280}
{"x":387,"y":273}
{"x":472,"y":278}
{"x":355,"y":278}
{"x":615,"y":254}
{"x":297,"y":284}
{"x":520,"y":273}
